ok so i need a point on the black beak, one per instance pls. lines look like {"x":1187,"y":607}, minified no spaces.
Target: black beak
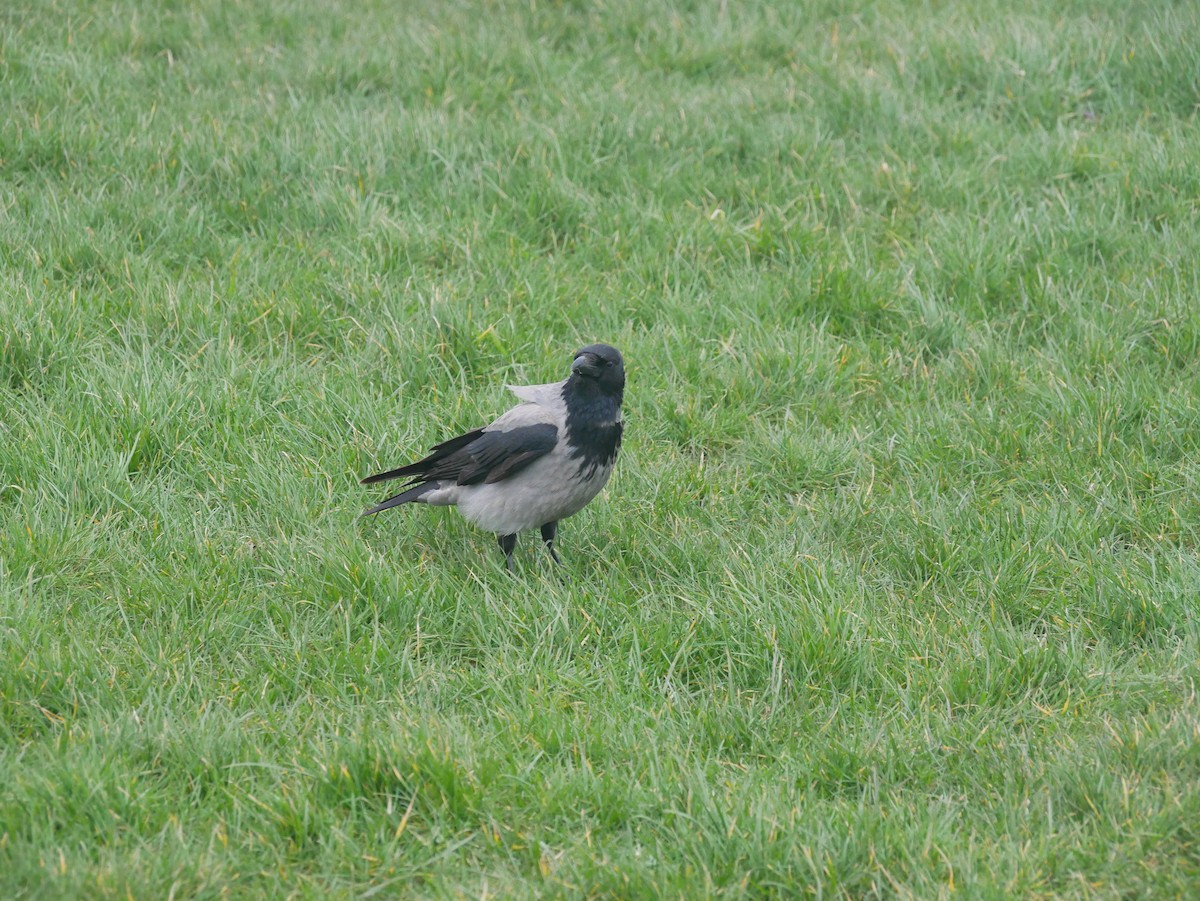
{"x":587,"y":365}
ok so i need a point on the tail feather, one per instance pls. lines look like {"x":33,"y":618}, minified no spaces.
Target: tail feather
{"x":404,"y":497}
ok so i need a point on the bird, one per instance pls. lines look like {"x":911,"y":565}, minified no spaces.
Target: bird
{"x":537,"y":464}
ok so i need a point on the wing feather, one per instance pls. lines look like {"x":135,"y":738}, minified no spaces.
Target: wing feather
{"x":491,"y":454}
{"x":483,"y":455}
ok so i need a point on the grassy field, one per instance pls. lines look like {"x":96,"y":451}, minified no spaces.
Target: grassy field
{"x":896,"y":590}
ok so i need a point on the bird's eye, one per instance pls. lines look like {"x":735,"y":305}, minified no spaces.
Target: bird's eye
{"x":608,"y":362}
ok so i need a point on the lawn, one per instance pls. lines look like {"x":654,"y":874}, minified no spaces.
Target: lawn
{"x":895,"y":591}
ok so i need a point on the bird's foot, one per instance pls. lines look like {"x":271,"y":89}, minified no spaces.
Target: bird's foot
{"x":508,"y":543}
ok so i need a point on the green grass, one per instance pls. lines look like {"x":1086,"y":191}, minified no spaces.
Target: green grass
{"x":895,"y":593}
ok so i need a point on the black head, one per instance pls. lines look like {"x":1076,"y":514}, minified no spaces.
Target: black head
{"x":601,"y":365}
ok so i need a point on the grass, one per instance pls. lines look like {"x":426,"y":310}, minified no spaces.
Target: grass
{"x":895,"y":591}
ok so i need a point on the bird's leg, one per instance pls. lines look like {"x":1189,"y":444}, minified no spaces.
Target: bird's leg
{"x":549,"y":530}
{"x":508,"y":544}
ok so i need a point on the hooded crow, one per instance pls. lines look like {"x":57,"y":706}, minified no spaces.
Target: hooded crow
{"x":539,"y":463}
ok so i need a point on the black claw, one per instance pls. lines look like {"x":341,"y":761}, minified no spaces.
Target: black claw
{"x":508,"y":544}
{"x":549,"y":530}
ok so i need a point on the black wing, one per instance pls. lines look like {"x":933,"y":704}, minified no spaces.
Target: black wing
{"x":416,"y":471}
{"x":478,"y":456}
